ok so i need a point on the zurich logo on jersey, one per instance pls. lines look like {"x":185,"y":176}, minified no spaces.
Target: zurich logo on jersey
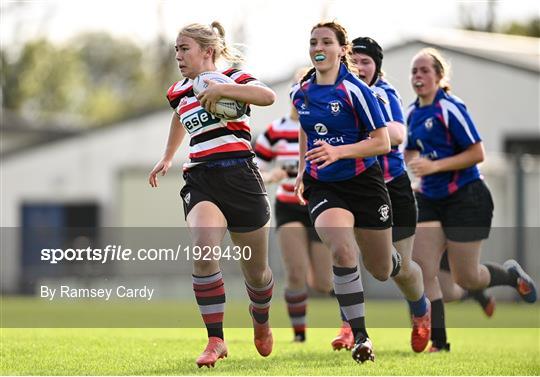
{"x":335,"y":107}
{"x":428,"y":124}
{"x":321,"y":129}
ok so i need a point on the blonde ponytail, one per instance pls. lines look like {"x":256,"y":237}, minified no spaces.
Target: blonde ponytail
{"x":213,"y":36}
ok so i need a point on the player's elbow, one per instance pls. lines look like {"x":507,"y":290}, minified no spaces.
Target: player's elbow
{"x":383,"y":145}
{"x":480,"y":159}
{"x":399,"y":138}
{"x":267,"y":97}
{"x":478,"y":153}
{"x":385,"y":149}
{"x":397,"y":133}
{"x":379,"y":142}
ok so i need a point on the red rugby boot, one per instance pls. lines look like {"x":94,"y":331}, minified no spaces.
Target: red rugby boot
{"x":262,"y":336}
{"x":215,"y":350}
{"x":421,"y":331}
{"x":345,"y":338}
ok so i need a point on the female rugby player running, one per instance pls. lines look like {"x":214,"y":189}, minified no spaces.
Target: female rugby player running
{"x":224,"y":189}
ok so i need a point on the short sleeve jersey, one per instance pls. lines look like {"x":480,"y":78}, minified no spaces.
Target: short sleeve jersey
{"x":392,"y":163}
{"x":441,"y":130}
{"x":339,"y":114}
{"x":211,"y":138}
{"x":279,"y":144}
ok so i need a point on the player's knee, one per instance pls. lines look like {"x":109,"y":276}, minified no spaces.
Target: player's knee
{"x":296,"y":276}
{"x":206,"y":239}
{"x":428,"y":271}
{"x":204,"y":267}
{"x":405,"y":275}
{"x":467,"y":281}
{"x":258,"y":277}
{"x":379,"y":270}
{"x":380,"y":274}
{"x":407,"y":264}
{"x":322,"y":286}
{"x":344,"y":255}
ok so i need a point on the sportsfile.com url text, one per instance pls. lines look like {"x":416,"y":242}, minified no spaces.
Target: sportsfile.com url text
{"x":117,"y":253}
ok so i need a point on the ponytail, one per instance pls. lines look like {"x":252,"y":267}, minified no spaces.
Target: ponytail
{"x":213,"y":36}
{"x":231,"y":54}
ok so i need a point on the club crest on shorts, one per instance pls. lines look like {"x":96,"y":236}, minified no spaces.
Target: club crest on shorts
{"x":335,"y":107}
{"x":384,"y":211}
{"x":187,"y":198}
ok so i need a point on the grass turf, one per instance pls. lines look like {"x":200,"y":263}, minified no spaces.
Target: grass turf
{"x":172,"y":351}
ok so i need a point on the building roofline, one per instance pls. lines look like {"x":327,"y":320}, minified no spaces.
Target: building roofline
{"x":506,"y":63}
{"x":57,"y":135}
{"x":54,"y":136}
{"x":516,"y":51}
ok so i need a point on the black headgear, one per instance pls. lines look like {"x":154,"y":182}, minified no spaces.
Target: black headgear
{"x":368,"y":46}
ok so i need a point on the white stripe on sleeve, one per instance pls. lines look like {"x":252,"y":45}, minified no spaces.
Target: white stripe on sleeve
{"x":358,"y":93}
{"x":449,"y":107}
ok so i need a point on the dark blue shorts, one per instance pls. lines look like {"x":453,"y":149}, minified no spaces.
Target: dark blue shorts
{"x":365,"y":196}
{"x":403,"y":207}
{"x":465,"y":215}
{"x":291,"y":212}
{"x":236,"y":189}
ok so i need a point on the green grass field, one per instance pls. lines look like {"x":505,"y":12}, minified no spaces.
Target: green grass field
{"x":172,"y":351}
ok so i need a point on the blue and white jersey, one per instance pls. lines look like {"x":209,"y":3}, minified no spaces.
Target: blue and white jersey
{"x":342,"y":113}
{"x":392,"y":163}
{"x":440,"y":130}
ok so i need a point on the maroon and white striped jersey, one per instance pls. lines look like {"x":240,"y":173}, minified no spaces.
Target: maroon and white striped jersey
{"x":211,"y":138}
{"x":279,"y":144}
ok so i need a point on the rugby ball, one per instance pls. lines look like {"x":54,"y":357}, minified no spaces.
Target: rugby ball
{"x":226,"y":108}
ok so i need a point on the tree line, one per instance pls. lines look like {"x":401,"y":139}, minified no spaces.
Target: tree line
{"x":92,"y":79}
{"x":95,"y":78}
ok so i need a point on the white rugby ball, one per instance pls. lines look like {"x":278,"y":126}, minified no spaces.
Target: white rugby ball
{"x":226,"y":108}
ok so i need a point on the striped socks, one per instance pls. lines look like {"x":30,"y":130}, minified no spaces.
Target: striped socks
{"x":260,"y":301}
{"x":210,"y":295}
{"x":350,"y":295}
{"x":296,"y":307}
